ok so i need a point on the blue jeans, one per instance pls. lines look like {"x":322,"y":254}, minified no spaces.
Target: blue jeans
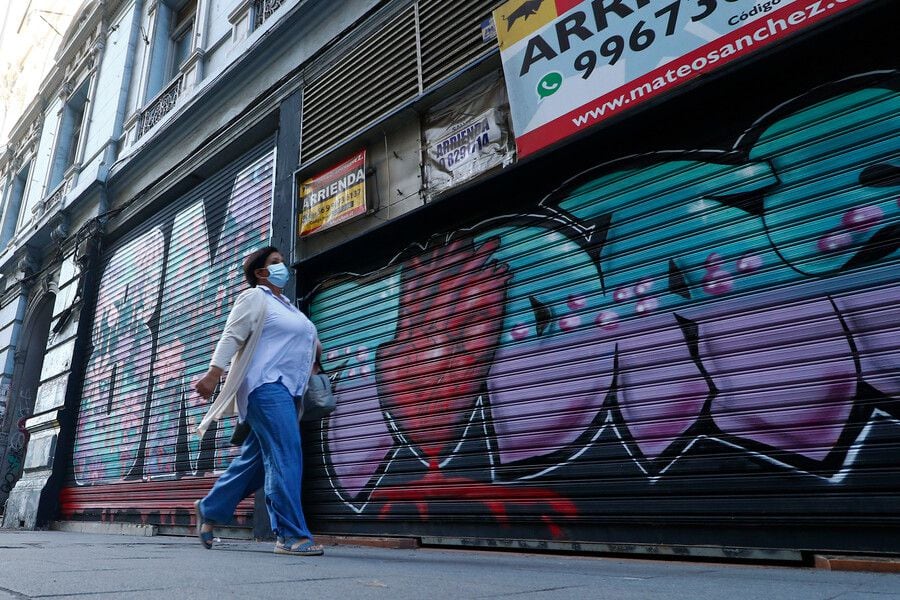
{"x":270,"y":455}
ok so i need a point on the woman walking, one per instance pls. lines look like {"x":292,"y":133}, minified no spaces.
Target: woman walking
{"x":271,"y":347}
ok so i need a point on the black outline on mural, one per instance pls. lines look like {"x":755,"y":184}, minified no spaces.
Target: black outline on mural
{"x":869,"y":405}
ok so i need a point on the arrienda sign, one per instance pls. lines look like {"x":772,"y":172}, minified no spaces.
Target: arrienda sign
{"x":333,"y":196}
{"x":571,"y":64}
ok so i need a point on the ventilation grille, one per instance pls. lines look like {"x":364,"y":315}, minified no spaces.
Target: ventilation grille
{"x":451,"y":36}
{"x":378,"y":75}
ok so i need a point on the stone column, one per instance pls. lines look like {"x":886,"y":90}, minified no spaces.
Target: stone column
{"x":34,"y":500}
{"x":12,"y":313}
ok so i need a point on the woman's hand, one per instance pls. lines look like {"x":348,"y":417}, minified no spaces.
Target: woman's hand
{"x":206,"y":385}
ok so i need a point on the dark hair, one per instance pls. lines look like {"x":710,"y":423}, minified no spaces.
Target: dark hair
{"x":257,"y":260}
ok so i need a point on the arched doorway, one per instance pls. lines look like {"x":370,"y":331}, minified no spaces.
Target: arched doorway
{"x":25,"y":381}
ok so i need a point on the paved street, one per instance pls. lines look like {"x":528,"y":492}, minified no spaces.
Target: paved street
{"x":64,"y":565}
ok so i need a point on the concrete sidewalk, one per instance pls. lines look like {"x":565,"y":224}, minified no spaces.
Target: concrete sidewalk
{"x":51,"y":564}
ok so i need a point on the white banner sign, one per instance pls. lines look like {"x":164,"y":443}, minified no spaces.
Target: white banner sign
{"x":571,"y":64}
{"x":467,"y":136}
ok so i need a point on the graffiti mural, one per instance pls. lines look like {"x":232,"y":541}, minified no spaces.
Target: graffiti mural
{"x":163,"y":299}
{"x":740,"y":305}
{"x":14,"y":460}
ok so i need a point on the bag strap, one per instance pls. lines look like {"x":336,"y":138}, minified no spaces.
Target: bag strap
{"x":318,"y":360}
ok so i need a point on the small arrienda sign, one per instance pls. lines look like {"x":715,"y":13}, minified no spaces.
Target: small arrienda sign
{"x":333,"y":196}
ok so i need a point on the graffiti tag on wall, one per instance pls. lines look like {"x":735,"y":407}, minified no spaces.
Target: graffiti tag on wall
{"x":163,"y":300}
{"x":15,"y":451}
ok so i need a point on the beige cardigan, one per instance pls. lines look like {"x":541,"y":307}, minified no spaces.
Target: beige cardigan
{"x":242,"y":332}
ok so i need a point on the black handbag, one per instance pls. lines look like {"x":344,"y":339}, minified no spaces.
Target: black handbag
{"x":317,"y":403}
{"x":240,"y":433}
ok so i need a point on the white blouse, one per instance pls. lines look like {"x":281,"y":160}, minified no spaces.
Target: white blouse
{"x":285,"y":351}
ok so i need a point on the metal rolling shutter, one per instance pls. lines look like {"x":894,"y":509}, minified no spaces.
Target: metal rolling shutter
{"x":164,"y":296}
{"x":401,"y":54}
{"x":450,"y":34}
{"x":368,"y":82}
{"x":669,"y":348}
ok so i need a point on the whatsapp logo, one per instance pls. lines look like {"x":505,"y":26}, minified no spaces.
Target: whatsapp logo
{"x":549,"y":84}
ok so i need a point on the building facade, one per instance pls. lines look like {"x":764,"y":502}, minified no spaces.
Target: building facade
{"x":675,"y":332}
{"x":29,"y":36}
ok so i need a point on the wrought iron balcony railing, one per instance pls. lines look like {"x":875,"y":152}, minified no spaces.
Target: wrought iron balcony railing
{"x":263,"y":9}
{"x":160,"y":107}
{"x":54,"y":199}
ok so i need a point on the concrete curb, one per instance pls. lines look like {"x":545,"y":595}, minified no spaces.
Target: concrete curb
{"x":104,"y":528}
{"x":871,"y":564}
{"x":636,"y":551}
{"x":394,"y":543}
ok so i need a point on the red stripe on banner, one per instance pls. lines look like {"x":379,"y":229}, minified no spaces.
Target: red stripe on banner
{"x":343,"y":168}
{"x":780,"y":24}
{"x":564,"y":6}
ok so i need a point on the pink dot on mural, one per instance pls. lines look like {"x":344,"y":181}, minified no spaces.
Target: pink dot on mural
{"x":862,"y":218}
{"x":643,"y":286}
{"x":362,"y":354}
{"x":576,"y":302}
{"x":646,"y":305}
{"x":351,"y":372}
{"x":519,"y":332}
{"x":365,"y":369}
{"x":834,"y":242}
{"x":569,"y":323}
{"x":713,"y":260}
{"x":717,"y":282}
{"x":332,"y":355}
{"x":749,"y":263}
{"x":622,"y":294}
{"x":607,"y":319}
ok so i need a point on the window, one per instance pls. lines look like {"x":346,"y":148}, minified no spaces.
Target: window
{"x":14,"y":205}
{"x":171,"y":43}
{"x":70,"y":133}
{"x":77,"y":126}
{"x":182,"y":32}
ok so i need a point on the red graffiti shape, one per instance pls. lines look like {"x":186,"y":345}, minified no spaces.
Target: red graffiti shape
{"x":450,"y":320}
{"x":429,"y":377}
{"x":436,"y":487}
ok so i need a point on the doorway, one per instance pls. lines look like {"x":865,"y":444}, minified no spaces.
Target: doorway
{"x":23,"y":389}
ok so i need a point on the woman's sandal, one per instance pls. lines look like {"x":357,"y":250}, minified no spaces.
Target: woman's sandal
{"x":307,"y":548}
{"x":206,"y":537}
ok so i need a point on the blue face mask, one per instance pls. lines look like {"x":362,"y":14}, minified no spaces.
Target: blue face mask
{"x":278,"y":274}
